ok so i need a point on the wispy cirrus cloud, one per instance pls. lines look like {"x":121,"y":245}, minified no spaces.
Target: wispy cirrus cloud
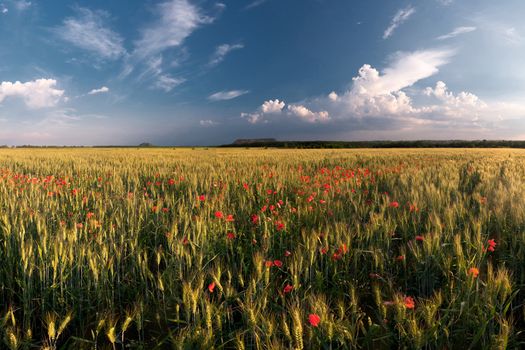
{"x":399,"y":18}
{"x":177,"y":20}
{"x":167,"y":83}
{"x":255,"y":3}
{"x":227,"y":95}
{"x":89,"y":31}
{"x":457,"y":31}
{"x":222,"y":51}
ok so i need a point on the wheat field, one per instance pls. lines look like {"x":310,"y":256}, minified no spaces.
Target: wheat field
{"x":262,"y":249}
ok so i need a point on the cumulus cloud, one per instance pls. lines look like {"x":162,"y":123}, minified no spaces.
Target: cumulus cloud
{"x":333,"y":96}
{"x":227,"y":95}
{"x":400,"y":17}
{"x":307,"y":115}
{"x":379,"y":95}
{"x":457,"y":31}
{"x":89,"y":31}
{"x":463,"y":104}
{"x":36,"y":94}
{"x":102,"y":90}
{"x":222,"y":51}
{"x":177,"y":20}
{"x":272,"y":106}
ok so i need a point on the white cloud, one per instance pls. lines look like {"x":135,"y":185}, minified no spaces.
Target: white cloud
{"x":464,"y":104}
{"x":208,"y":123}
{"x":221,"y":51}
{"x":307,"y":115}
{"x":333,"y":96}
{"x":400,"y":17}
{"x":89,"y":31}
{"x":405,"y":69}
{"x":272,"y":106}
{"x":255,"y":3}
{"x":4,"y":10}
{"x":36,"y":94}
{"x":227,"y":95}
{"x":103,"y":89}
{"x":167,"y":83}
{"x":457,"y":31}
{"x":178,"y":19}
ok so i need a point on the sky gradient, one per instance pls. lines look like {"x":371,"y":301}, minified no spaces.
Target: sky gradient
{"x":196,"y":72}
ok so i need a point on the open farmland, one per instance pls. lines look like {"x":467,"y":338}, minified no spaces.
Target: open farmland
{"x":222,"y":248}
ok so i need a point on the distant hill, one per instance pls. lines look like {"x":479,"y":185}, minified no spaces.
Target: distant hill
{"x":377,"y":144}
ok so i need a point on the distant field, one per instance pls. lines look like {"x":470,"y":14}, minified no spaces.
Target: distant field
{"x":238,"y":248}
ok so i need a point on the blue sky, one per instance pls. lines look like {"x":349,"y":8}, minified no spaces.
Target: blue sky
{"x":197,"y":72}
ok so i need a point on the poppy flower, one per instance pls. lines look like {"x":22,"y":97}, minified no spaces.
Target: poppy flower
{"x":219,"y":214}
{"x":287,"y":253}
{"x":288,"y":288}
{"x":211,"y":287}
{"x":474,"y":271}
{"x":400,"y":258}
{"x":278,"y":263}
{"x":409,"y":302}
{"x":89,"y":215}
{"x":230,"y":235}
{"x":394,"y":204}
{"x":420,"y":238}
{"x":268,"y":263}
{"x":230,"y":218}
{"x":492,"y":245}
{"x":202,"y":198}
{"x":314,"y":320}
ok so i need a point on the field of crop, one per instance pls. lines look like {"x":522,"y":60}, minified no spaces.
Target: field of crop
{"x":264,"y":249}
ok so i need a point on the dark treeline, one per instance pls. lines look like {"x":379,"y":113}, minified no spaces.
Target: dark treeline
{"x":384,"y":144}
{"x":329,"y":144}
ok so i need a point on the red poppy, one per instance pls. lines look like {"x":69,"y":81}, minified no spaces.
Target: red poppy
{"x":420,"y":238}
{"x":268,"y":263}
{"x":89,"y":215}
{"x":492,"y":245}
{"x":202,"y":198}
{"x":278,"y":263}
{"x":211,"y":287}
{"x":400,"y":258}
{"x":473,"y":271}
{"x":409,"y":302}
{"x":287,"y":253}
{"x":314,"y":320}
{"x":230,"y":218}
{"x":394,"y":204}
{"x":287,"y":289}
{"x":255,"y":219}
{"x":219,"y":215}
{"x":230,"y":235}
